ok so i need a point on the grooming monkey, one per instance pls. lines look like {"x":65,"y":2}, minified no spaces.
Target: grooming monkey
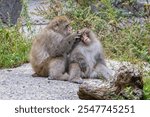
{"x":49,"y":48}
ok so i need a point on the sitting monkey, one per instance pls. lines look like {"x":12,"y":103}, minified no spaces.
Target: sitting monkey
{"x":87,"y":59}
{"x":49,"y":48}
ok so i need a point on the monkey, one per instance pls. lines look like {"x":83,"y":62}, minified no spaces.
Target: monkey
{"x":87,"y":59}
{"x":49,"y":48}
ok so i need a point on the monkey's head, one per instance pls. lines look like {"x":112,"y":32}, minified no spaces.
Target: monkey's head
{"x":85,"y":36}
{"x":61,"y":25}
{"x":86,"y":39}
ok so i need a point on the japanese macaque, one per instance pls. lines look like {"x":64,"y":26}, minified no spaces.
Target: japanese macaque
{"x":49,"y":48}
{"x":87,"y":59}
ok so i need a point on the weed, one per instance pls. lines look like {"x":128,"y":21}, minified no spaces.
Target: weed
{"x":13,"y":47}
{"x":147,"y":88}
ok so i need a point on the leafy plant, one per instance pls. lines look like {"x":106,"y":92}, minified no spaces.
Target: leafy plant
{"x":147,"y":88}
{"x":14,"y":48}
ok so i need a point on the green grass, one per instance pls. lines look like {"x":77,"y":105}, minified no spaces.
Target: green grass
{"x":147,"y":87}
{"x":14,"y":48}
{"x":128,"y":44}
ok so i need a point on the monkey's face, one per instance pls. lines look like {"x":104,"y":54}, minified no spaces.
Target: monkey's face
{"x":85,"y":39}
{"x":65,"y":28}
{"x":68,"y":29}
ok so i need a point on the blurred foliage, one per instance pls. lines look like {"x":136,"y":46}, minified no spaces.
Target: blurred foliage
{"x":14,"y":48}
{"x":147,"y":88}
{"x":25,"y":15}
{"x":129,"y":42}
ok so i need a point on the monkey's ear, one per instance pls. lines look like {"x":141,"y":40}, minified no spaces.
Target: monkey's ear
{"x":56,"y":25}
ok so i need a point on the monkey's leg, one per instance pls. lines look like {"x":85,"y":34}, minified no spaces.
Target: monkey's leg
{"x":103,"y":71}
{"x":57,"y":69}
{"x":81,"y":63}
{"x":35,"y":75}
{"x":75,"y":73}
{"x":41,"y":70}
{"x":85,"y":68}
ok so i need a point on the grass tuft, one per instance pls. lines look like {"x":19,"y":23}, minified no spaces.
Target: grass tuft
{"x":14,"y":48}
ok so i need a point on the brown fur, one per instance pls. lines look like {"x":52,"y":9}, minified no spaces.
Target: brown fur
{"x":49,"y":47}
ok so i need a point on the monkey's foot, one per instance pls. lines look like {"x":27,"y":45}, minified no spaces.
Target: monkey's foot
{"x":77,"y":80}
{"x":63,"y":77}
{"x":35,"y":75}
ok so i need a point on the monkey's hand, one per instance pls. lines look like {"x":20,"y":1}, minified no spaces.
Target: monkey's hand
{"x":69,"y":43}
{"x":85,"y":31}
{"x":78,"y":36}
{"x":84,"y":68}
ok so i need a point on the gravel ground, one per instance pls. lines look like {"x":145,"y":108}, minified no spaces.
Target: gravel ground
{"x":17,"y":83}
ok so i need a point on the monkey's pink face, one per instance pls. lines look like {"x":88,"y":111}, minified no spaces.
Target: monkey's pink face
{"x":85,"y":39}
{"x":68,"y":29}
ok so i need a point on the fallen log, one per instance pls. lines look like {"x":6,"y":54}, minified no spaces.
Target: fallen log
{"x":126,"y":84}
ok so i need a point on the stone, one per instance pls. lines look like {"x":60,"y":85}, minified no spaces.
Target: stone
{"x":10,"y":11}
{"x":126,"y":84}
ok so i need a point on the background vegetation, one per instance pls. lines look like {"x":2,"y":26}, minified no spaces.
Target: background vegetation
{"x":13,"y":47}
{"x":123,"y":38}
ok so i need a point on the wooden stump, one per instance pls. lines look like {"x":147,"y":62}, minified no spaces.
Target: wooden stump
{"x":127,"y":84}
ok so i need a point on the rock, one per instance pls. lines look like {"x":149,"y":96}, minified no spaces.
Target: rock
{"x":136,"y":8}
{"x":126,"y":8}
{"x":96,"y":90}
{"x":10,"y":11}
{"x":127,"y":84}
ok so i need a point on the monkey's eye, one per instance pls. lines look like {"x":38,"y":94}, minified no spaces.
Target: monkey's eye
{"x":67,"y":26}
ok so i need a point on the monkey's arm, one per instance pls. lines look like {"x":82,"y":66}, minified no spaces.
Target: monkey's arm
{"x":68,"y":42}
{"x":80,"y":60}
